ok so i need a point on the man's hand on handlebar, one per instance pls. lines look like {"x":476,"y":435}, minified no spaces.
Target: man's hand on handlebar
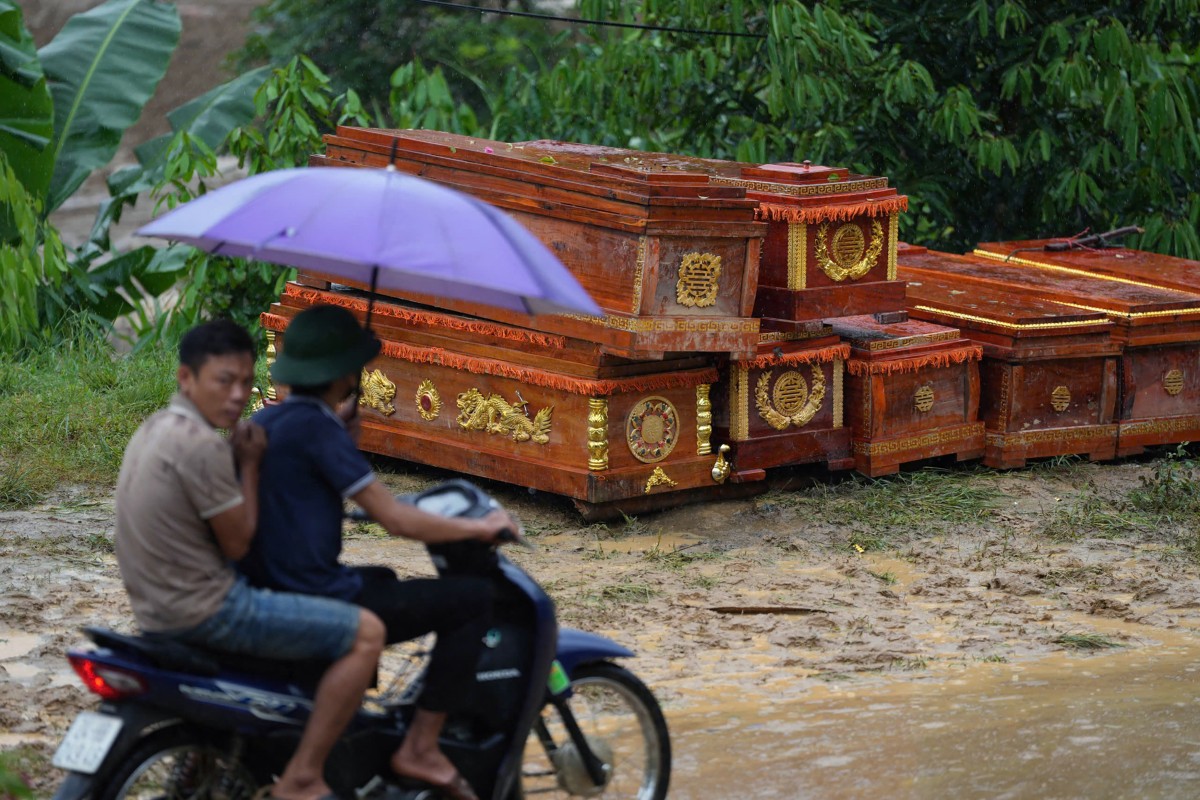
{"x":499,"y":527}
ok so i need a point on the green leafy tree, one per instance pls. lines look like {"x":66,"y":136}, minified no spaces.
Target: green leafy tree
{"x":359,"y":45}
{"x":1000,"y":118}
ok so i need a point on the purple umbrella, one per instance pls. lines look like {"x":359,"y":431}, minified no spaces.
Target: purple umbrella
{"x":381,"y":228}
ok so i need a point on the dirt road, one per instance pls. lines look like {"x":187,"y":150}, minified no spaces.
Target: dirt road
{"x":773,"y":624}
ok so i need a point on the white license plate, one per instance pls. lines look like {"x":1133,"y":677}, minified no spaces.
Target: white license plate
{"x":87,"y":742}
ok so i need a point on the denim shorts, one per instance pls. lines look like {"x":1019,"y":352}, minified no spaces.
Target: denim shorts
{"x":278,"y":625}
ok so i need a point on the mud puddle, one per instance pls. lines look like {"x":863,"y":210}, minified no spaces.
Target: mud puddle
{"x":1116,"y":725}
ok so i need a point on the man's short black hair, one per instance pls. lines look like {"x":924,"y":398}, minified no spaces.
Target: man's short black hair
{"x":220,"y":337}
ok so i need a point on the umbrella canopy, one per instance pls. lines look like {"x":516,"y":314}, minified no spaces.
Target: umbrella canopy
{"x":381,"y":228}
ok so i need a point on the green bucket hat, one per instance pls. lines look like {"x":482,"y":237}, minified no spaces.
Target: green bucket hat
{"x":322,"y":344}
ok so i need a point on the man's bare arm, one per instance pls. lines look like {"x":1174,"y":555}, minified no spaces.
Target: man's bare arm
{"x":411,"y":522}
{"x":234,"y":528}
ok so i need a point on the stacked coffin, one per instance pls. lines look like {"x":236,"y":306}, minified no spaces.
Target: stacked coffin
{"x":715,"y":359}
{"x":1158,"y":380}
{"x":1077,"y":390}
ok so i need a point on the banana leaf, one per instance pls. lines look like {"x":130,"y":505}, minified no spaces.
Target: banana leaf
{"x":209,"y":117}
{"x":26,"y":111}
{"x":103,"y":67}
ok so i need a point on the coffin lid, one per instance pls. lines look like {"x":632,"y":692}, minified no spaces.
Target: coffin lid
{"x":1152,"y":269}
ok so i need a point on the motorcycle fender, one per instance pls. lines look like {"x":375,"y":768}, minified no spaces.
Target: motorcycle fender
{"x":577,"y":647}
{"x":139,"y":722}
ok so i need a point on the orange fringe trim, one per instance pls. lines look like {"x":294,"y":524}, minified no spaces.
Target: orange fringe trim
{"x":822,"y":356}
{"x":837,"y":211}
{"x":537,"y":377}
{"x":857,"y":367}
{"x":451,"y":322}
{"x":584,"y":386}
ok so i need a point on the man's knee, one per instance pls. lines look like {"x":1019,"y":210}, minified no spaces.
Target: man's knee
{"x":371,"y":632}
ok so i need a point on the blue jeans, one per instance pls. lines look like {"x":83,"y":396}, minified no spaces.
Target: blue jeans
{"x":278,"y":625}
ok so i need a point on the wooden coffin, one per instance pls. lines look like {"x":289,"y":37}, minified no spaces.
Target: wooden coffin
{"x":912,"y":391}
{"x":1158,"y":329}
{"x":1152,"y":269}
{"x":830,"y":248}
{"x":671,"y":257}
{"x":1048,"y":378}
{"x":785,"y":406}
{"x":532,"y":408}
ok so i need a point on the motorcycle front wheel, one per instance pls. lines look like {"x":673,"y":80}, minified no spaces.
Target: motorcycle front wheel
{"x":624,"y":727}
{"x":180,"y":764}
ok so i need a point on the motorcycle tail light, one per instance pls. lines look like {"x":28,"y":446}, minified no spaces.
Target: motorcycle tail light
{"x":108,"y":682}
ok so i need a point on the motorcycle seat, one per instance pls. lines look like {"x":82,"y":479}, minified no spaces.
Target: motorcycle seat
{"x":174,"y":655}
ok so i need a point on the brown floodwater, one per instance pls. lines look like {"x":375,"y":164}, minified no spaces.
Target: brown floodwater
{"x":1119,"y":724}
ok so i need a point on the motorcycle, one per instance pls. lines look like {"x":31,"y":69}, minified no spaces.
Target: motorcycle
{"x":552,"y":711}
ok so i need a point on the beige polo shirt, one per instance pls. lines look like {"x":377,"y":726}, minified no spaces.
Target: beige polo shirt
{"x":177,"y":474}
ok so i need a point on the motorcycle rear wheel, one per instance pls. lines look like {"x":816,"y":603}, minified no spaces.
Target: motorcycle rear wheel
{"x":616,"y":711}
{"x":180,"y":764}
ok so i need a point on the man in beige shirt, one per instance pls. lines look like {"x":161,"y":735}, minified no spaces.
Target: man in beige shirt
{"x":184,"y":515}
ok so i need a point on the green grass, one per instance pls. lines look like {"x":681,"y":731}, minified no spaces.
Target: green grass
{"x":879,"y":512}
{"x":1086,"y":641}
{"x":67,"y":411}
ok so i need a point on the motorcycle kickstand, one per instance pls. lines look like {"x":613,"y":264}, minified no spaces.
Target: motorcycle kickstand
{"x":593,"y":765}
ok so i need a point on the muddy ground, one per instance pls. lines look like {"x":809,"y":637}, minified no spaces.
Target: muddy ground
{"x":761,"y":599}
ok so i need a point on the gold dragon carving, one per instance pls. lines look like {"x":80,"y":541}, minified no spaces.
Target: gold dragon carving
{"x":494,"y":414}
{"x":780,"y":415}
{"x":847,"y":247}
{"x":377,"y":392}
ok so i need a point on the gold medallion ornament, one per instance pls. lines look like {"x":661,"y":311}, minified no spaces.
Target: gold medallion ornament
{"x":1173,"y":382}
{"x":377,"y":392}
{"x":494,"y":414}
{"x":848,"y":259}
{"x":658,"y":478}
{"x":791,"y":401}
{"x":698,"y":276}
{"x":1060,"y":398}
{"x":597,"y":433}
{"x":923,"y":398}
{"x":651,"y":429}
{"x":429,"y":402}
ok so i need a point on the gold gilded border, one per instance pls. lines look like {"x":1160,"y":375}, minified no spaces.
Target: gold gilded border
{"x":1026,"y":262}
{"x":639,"y":270}
{"x":703,"y":420}
{"x":907,"y":341}
{"x":1131,"y":314}
{"x":893,"y":235}
{"x":658,"y":324}
{"x":797,"y":255}
{"x":1012,"y":325}
{"x":1053,"y":435}
{"x":271,"y":353}
{"x":1160,"y":425}
{"x":837,"y":393}
{"x":739,"y":401}
{"x":941,"y":437}
{"x":807,"y":190}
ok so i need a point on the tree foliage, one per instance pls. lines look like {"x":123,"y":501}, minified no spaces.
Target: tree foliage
{"x":1000,"y":118}
{"x":360,"y":44}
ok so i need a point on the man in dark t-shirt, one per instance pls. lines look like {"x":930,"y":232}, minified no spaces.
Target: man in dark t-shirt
{"x":311,"y":466}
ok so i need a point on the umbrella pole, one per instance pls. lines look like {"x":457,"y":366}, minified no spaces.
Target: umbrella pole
{"x":367,"y":326}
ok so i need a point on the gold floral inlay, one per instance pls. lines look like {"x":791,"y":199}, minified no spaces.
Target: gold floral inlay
{"x":923,"y":398}
{"x":698,"y":276}
{"x":791,"y":401}
{"x":377,"y":392}
{"x":496,"y":415}
{"x":848,"y":259}
{"x":1173,"y":382}
{"x":429,"y":402}
{"x":703,"y":420}
{"x":271,"y":353}
{"x":797,"y":255}
{"x":597,"y":433}
{"x":658,"y":478}
{"x":1060,"y":398}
